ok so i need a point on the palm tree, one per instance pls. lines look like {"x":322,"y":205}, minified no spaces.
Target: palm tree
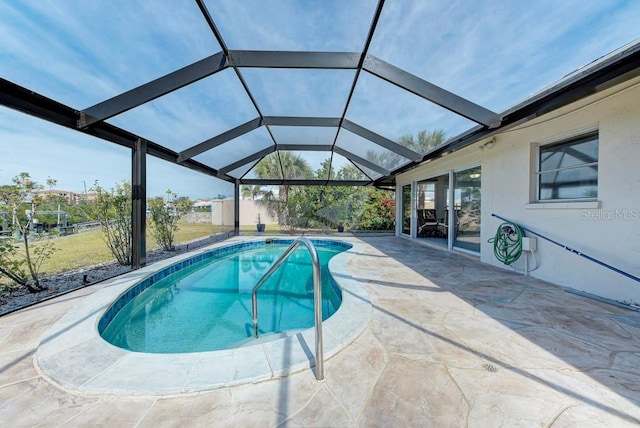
{"x":349,"y":172}
{"x":51,"y":182}
{"x":294,"y":167}
{"x":385,"y":159}
{"x":269,"y":167}
{"x":425,"y":141}
{"x":252,"y":191}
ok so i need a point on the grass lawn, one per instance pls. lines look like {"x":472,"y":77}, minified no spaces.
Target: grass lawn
{"x":76,"y":251}
{"x":89,"y":248}
{"x":269,"y":228}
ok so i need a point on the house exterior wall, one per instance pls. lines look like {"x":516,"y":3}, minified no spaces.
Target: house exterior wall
{"x":608,"y":230}
{"x":222,"y":212}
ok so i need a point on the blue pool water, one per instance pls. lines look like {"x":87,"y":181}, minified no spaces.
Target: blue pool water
{"x":205,"y":305}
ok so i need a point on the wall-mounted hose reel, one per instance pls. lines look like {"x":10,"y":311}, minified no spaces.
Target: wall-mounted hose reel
{"x":509,"y":243}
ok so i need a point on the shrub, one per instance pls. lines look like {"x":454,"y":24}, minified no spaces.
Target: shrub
{"x":113,"y":211}
{"x":165,"y":214}
{"x":19,"y":261}
{"x":379,"y":212}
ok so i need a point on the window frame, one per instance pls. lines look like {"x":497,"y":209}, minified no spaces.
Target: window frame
{"x":427,"y":199}
{"x":585,"y":135}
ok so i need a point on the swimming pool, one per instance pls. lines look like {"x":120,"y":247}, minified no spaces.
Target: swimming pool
{"x":73,"y":355}
{"x":204,"y":303}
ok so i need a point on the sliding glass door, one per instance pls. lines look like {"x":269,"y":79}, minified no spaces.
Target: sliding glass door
{"x":467,"y":209}
{"x":431,"y":209}
{"x":406,"y":209}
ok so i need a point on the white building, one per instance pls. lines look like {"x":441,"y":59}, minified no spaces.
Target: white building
{"x":220,"y":212}
{"x":569,"y":173}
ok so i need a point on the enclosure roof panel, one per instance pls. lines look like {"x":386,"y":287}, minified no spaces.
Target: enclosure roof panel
{"x":497,"y":53}
{"x":327,"y":25}
{"x":192,"y":114}
{"x":369,"y":87}
{"x":80,"y":53}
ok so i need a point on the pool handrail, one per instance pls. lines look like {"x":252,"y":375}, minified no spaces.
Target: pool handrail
{"x":317,"y":297}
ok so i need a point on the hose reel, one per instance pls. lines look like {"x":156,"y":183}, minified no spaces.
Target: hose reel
{"x":507,"y":244}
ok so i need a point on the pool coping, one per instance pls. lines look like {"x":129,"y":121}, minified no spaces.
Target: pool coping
{"x":73,"y":355}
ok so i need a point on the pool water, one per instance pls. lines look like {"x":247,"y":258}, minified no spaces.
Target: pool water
{"x":207,"y":306}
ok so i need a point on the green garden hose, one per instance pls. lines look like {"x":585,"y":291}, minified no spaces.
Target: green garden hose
{"x":507,"y":244}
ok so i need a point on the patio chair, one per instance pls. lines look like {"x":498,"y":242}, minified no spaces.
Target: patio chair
{"x":427,"y":222}
{"x":443,"y":226}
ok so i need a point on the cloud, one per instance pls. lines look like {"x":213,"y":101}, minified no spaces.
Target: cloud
{"x":496,"y":53}
{"x":492,"y":52}
{"x":393,"y":112}
{"x":75,"y":160}
{"x":49,"y":150}
{"x":162,"y":176}
{"x":236,"y":149}
{"x":81,"y":53}
{"x":193,"y":114}
{"x":319,"y":25}
{"x":286,"y":92}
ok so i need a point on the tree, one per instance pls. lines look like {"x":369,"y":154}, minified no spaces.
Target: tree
{"x":286,"y":205}
{"x":379,"y":211}
{"x":19,"y":260}
{"x":252,"y":191}
{"x":425,"y":141}
{"x":165,"y":213}
{"x":355,"y":207}
{"x":349,"y":172}
{"x":113,"y":211}
{"x":11,"y":264}
{"x":51,"y":182}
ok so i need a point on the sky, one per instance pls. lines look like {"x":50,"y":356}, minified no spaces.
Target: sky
{"x":78,"y":52}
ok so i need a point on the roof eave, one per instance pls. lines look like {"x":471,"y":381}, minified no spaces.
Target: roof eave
{"x":615,"y":68}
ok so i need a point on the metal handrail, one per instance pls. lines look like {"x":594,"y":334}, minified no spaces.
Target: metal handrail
{"x":317,"y":297}
{"x":574,"y":251}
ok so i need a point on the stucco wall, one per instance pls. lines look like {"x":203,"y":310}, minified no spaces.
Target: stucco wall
{"x":222,"y":213}
{"x":608,"y":230}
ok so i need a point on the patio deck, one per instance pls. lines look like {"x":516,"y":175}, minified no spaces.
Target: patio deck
{"x":450,"y":342}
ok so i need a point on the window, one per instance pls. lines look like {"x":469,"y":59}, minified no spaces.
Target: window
{"x":406,"y":209}
{"x":426,"y":195}
{"x":569,"y":169}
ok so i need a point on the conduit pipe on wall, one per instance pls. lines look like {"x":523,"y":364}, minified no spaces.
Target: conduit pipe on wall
{"x":574,"y":251}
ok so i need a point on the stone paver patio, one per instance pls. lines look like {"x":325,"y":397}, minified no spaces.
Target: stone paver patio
{"x":450,"y":342}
